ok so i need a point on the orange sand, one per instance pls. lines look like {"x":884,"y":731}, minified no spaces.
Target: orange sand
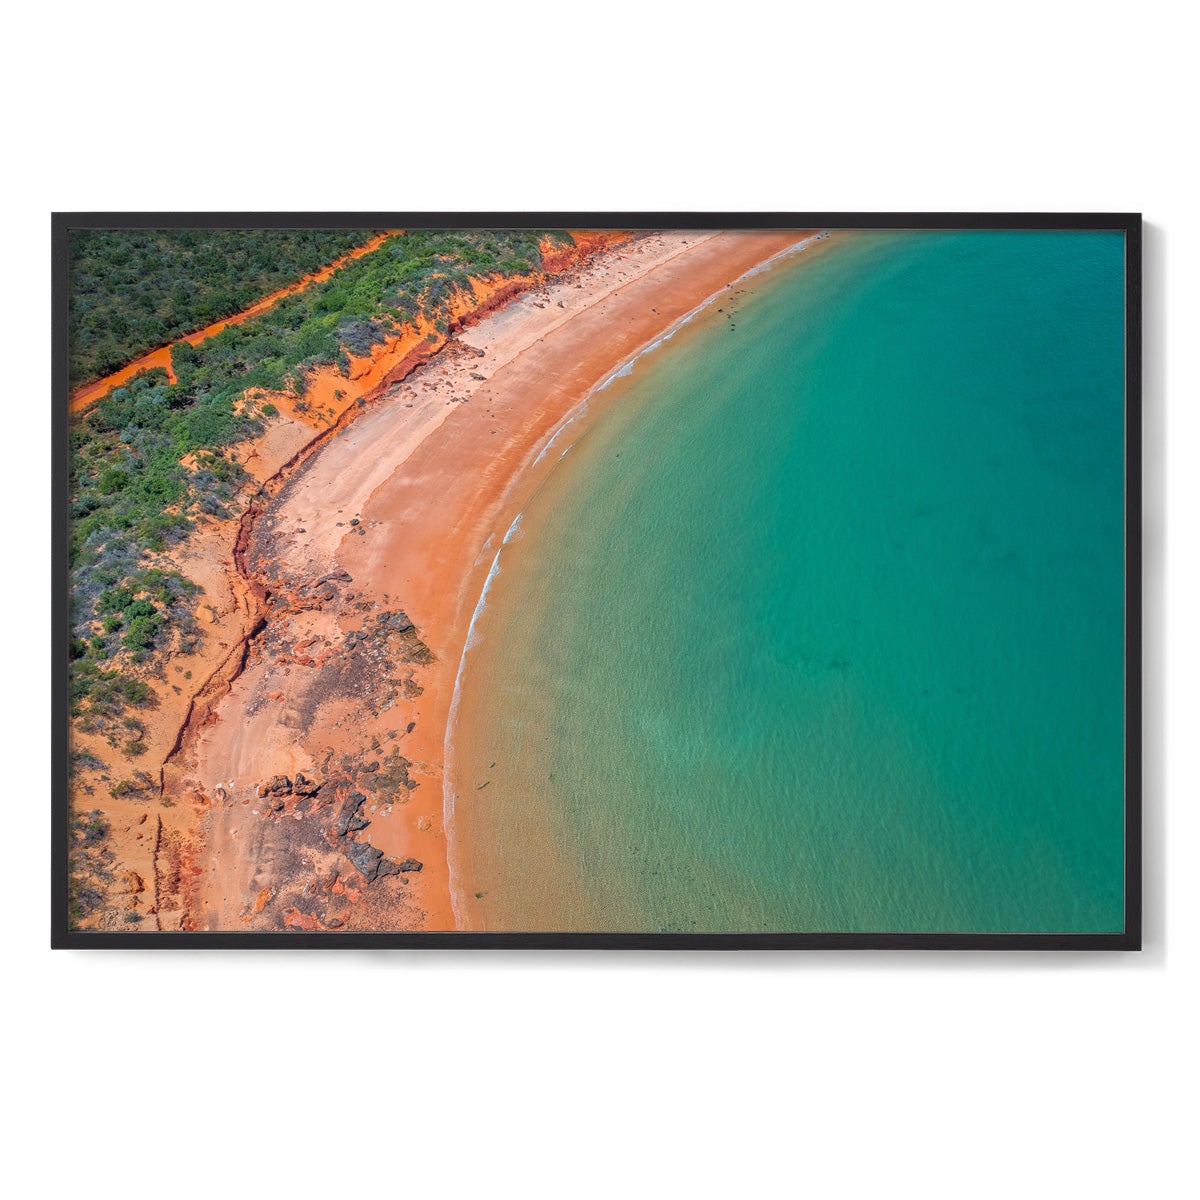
{"x":164,"y":850}
{"x":430,"y":474}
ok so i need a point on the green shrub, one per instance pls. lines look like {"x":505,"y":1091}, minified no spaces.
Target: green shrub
{"x":138,"y":693}
{"x":133,"y":290}
{"x":141,"y":632}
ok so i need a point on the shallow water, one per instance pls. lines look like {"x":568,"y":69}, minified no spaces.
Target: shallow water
{"x":819,"y":624}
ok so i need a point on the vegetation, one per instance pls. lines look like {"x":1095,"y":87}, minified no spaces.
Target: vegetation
{"x":140,"y":787}
{"x":152,"y":457}
{"x":90,"y":862}
{"x":135,"y":289}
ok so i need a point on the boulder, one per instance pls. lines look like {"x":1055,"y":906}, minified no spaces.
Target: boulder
{"x":293,"y":918}
{"x":401,"y":867}
{"x":365,"y":858}
{"x":303,"y":786}
{"x":348,"y":818}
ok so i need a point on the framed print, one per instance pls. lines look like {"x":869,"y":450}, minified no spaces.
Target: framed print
{"x":608,"y":579}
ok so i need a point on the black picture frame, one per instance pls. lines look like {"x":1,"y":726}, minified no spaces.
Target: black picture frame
{"x":1130,"y":938}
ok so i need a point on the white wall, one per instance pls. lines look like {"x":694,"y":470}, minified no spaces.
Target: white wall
{"x":579,"y":1075}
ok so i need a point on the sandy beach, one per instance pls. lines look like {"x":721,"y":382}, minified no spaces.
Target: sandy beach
{"x":318,"y":778}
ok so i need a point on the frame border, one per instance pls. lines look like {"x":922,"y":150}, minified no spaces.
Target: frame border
{"x":62,"y":937}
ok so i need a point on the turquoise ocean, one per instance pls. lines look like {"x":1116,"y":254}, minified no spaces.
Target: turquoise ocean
{"x":818,"y":625}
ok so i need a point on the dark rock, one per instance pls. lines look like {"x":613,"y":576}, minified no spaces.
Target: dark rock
{"x":476,"y":375}
{"x":334,"y":923}
{"x":348,"y":818}
{"x":365,"y":858}
{"x":408,"y":864}
{"x":354,"y":521}
{"x":303,"y":786}
{"x":371,"y":766}
{"x":400,"y":623}
{"x":279,"y":785}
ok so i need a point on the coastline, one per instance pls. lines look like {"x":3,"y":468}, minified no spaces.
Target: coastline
{"x":575,"y":417}
{"x":152,"y":865}
{"x":353,"y":679}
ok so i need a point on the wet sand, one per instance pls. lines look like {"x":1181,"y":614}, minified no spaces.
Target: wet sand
{"x":372,"y":559}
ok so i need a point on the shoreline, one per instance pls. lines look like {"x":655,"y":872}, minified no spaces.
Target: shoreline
{"x":151,"y":864}
{"x":347,"y":686}
{"x":575,"y":415}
